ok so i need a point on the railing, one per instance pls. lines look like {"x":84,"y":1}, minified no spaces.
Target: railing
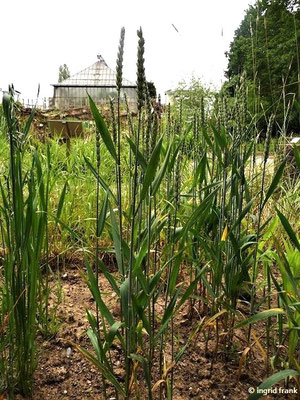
{"x":63,"y":103}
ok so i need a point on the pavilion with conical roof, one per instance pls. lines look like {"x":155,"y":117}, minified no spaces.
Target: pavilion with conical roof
{"x":98,"y":80}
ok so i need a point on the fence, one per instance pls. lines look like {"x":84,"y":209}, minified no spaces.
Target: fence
{"x":30,"y":103}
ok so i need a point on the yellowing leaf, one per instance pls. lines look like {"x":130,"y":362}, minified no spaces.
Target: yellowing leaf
{"x":225,"y":234}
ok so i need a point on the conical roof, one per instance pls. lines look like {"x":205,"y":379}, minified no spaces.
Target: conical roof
{"x":98,"y":74}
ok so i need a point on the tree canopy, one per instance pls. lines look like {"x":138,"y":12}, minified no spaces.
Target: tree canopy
{"x":266,"y":48}
{"x":64,"y":73}
{"x":193,"y":92}
{"x":151,"y":89}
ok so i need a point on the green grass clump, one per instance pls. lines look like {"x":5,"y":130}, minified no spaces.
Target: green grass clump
{"x":24,"y":202}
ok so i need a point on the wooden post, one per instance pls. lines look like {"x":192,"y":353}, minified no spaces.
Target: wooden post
{"x":68,"y":139}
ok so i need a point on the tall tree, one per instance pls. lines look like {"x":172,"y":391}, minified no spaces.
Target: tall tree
{"x":151,"y":90}
{"x":64,"y":73}
{"x":266,"y":47}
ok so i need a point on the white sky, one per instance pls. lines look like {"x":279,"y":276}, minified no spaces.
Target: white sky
{"x":37,"y":36}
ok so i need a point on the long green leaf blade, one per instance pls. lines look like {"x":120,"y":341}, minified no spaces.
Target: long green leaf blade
{"x":274,"y":182}
{"x":102,"y":129}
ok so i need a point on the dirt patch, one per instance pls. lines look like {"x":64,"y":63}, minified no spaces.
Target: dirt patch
{"x":202,"y":373}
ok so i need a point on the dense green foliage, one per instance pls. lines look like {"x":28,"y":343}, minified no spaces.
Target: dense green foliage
{"x":151,"y":89}
{"x":266,"y":48}
{"x":24,"y":238}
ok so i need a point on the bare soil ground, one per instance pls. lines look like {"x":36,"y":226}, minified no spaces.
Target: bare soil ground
{"x":63,"y":373}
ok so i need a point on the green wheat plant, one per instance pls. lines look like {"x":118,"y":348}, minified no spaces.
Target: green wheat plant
{"x":23,"y":233}
{"x":141,"y":278}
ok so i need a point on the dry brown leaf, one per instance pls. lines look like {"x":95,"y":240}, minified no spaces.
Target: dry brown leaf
{"x":242,"y":361}
{"x":157,"y":384}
